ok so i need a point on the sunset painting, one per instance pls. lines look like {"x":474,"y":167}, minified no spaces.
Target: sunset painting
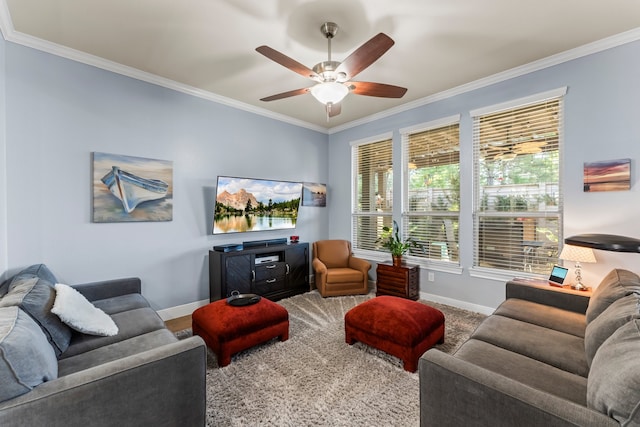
{"x":610,"y":175}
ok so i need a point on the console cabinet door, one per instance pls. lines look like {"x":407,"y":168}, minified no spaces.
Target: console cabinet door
{"x":238,"y":273}
{"x":297,"y":259}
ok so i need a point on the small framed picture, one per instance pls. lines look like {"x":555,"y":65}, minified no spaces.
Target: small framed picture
{"x":608,"y":175}
{"x":314,"y":194}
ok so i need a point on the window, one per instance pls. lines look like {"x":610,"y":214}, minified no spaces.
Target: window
{"x":431,"y":208}
{"x":372,"y":191}
{"x":517,"y":192}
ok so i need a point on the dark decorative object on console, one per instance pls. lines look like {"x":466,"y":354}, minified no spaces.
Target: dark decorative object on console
{"x":605,"y":242}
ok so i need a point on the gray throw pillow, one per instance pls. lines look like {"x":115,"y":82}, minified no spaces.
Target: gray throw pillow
{"x":615,"y":285}
{"x":36,"y":296}
{"x":4,"y":287}
{"x":26,"y":358}
{"x":603,"y":326}
{"x":613,"y":386}
{"x":38,"y":270}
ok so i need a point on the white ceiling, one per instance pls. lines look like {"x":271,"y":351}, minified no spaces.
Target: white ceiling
{"x":207,"y":47}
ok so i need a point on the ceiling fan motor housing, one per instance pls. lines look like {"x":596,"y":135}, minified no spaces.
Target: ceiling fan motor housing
{"x":327,"y":70}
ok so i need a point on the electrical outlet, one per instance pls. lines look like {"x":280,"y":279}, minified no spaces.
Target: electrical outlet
{"x":431,"y":276}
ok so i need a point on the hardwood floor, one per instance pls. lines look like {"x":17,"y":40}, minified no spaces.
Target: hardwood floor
{"x":179,"y":323}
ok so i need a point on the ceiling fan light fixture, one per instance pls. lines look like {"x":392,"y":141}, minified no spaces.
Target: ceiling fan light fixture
{"x":329,"y":92}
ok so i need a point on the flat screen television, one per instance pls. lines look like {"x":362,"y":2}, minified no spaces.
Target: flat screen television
{"x":248,"y":204}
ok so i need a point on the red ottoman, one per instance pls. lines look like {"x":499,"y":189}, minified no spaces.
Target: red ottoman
{"x":229,"y":329}
{"x":398,"y":326}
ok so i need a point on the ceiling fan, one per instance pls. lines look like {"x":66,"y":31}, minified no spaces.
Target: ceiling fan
{"x":333,"y":78}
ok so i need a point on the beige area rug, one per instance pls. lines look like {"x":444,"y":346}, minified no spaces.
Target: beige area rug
{"x":315,"y":378}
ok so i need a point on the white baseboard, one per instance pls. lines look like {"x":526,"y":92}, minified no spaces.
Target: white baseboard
{"x":457,"y":303}
{"x":181,"y":310}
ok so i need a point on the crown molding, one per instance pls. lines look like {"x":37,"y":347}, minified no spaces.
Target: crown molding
{"x":11,"y":35}
{"x":550,"y":61}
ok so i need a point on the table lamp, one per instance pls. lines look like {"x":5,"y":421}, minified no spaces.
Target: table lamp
{"x":578,"y":254}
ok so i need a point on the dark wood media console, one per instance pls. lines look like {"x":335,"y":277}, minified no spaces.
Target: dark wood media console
{"x":275,"y":272}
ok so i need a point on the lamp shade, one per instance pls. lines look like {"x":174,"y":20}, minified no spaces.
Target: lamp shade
{"x":577,"y":254}
{"x":329,"y":92}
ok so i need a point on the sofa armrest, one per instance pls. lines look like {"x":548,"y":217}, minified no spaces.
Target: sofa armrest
{"x":318,"y":266}
{"x":566,"y":299}
{"x":164,"y":386}
{"x":454,"y":392}
{"x":109,"y":288}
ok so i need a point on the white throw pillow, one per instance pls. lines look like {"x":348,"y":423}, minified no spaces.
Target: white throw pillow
{"x":78,"y":313}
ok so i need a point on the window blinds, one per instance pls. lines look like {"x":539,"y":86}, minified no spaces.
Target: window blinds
{"x":372,"y":192}
{"x":517,"y":192}
{"x":432,"y":196}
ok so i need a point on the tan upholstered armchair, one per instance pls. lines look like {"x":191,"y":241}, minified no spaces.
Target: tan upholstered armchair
{"x":337,"y":271}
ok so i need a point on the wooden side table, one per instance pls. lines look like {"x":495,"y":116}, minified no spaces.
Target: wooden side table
{"x":541,"y":282}
{"x":400,"y":281}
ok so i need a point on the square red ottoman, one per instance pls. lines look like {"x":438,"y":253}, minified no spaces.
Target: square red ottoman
{"x":398,"y":326}
{"x":230,"y":329}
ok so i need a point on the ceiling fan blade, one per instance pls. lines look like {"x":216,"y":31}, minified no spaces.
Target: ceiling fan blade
{"x":377,"y":89}
{"x":286,"y":94}
{"x":285,"y":61}
{"x":365,"y":55}
{"x":333,"y":109}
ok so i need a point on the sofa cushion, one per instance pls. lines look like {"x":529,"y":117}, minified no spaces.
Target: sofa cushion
{"x":615,"y":285}
{"x":115,"y":351}
{"x":130,"y":324}
{"x":121,"y":303}
{"x":603,"y":326}
{"x":555,"y":348}
{"x":613,"y":386}
{"x":26,"y":357}
{"x":36,"y":296}
{"x":550,"y":317}
{"x":79,"y":314}
{"x":525,"y":370}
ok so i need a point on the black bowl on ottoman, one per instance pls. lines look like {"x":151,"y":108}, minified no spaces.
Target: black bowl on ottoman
{"x":229,"y":329}
{"x":398,"y":326}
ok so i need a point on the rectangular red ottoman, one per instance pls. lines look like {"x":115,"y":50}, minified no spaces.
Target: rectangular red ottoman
{"x":229,"y":329}
{"x":398,"y":326}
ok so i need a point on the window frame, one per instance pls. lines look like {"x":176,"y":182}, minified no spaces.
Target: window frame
{"x":375,"y":255}
{"x":555,"y":94}
{"x":406,"y":212}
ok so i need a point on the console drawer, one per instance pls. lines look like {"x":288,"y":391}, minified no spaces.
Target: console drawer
{"x":271,"y":270}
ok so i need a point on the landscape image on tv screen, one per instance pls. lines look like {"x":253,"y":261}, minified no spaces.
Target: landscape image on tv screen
{"x":246,"y":204}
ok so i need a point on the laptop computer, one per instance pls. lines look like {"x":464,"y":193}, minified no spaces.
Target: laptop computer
{"x":557,"y":276}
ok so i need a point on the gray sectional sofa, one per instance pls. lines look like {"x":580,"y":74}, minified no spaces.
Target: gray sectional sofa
{"x":52,"y":375}
{"x":545,"y":357}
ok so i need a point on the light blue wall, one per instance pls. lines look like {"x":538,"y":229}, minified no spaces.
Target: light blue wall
{"x":55,"y":112}
{"x":60,"y":111}
{"x":602,"y":122}
{"x":3,"y":168}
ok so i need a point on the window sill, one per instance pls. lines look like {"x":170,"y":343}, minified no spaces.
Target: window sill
{"x":499,"y":275}
{"x":444,"y":267}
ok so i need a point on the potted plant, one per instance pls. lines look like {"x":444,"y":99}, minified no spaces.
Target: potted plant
{"x":390,"y":239}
